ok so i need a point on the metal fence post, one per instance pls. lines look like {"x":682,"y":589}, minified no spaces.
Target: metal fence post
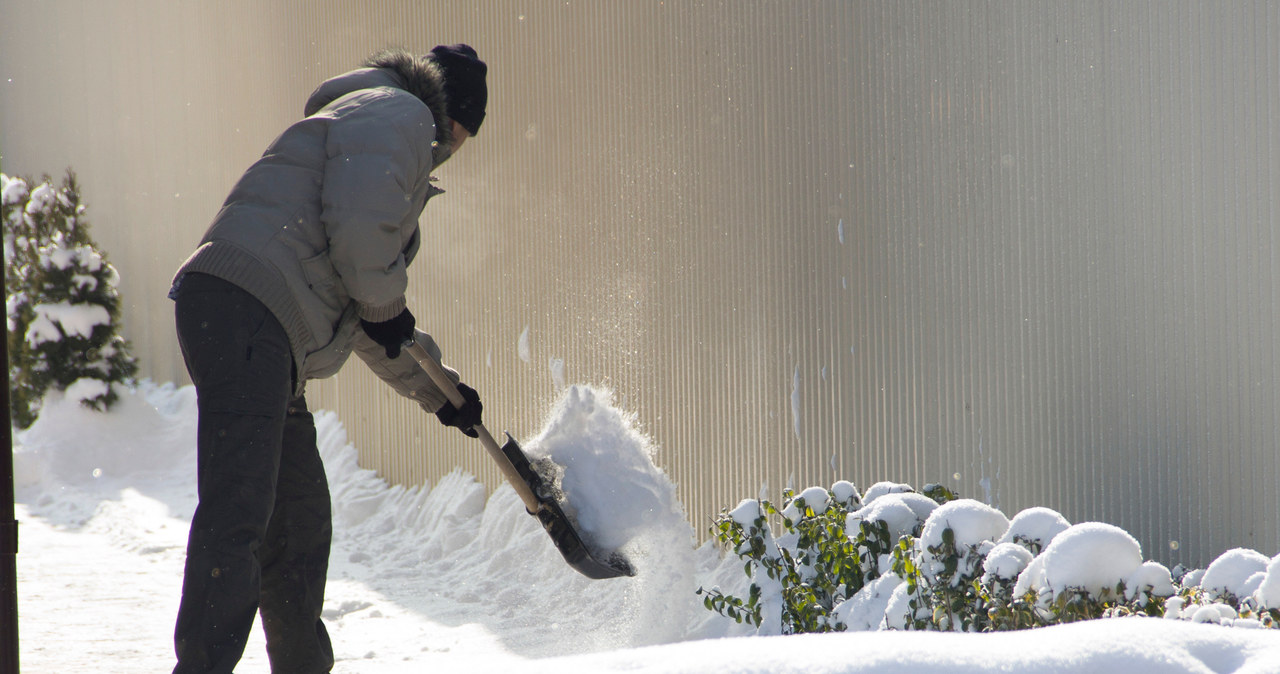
{"x":8,"y":522}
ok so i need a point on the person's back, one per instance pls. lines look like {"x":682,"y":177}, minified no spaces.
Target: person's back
{"x":329,"y":213}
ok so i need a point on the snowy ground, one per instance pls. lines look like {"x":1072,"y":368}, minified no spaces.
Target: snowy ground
{"x":452,"y":579}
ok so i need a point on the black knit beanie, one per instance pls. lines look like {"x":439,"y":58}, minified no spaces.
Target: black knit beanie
{"x":464,"y":85}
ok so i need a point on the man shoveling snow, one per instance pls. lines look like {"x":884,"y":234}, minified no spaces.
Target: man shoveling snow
{"x":305,"y":263}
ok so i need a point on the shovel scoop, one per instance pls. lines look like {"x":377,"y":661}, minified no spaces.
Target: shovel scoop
{"x":538,"y":496}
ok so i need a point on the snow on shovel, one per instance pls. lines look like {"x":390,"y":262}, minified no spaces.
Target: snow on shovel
{"x":539,"y":498}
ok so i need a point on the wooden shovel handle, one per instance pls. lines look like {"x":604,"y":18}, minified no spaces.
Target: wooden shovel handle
{"x":443,"y":382}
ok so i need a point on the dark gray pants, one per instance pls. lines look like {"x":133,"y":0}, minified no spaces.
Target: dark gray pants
{"x":260,"y":535}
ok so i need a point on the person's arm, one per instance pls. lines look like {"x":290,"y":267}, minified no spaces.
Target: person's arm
{"x":411,"y":381}
{"x":403,"y":374}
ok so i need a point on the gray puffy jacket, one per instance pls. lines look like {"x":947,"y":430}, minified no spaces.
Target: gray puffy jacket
{"x":322,"y":228}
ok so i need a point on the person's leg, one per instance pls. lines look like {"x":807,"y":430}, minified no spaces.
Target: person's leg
{"x":295,"y":557}
{"x":239,"y":359}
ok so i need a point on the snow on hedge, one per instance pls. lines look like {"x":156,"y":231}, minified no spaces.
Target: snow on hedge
{"x":902,"y":513}
{"x":1091,"y":557}
{"x":974,"y":528}
{"x":1236,"y":573}
{"x":1035,"y":528}
{"x":897,"y":559}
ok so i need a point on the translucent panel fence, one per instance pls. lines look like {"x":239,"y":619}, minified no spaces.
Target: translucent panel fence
{"x":1024,"y":249}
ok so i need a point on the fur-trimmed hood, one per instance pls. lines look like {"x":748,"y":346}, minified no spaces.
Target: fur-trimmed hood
{"x":392,"y":68}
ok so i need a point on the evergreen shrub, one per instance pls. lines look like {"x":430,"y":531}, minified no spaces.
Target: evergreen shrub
{"x":61,"y":298}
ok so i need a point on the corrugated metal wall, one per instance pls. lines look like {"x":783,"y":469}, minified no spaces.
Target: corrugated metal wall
{"x":1026,"y":249}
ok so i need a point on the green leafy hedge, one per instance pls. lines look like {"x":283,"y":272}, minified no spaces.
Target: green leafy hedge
{"x":895,"y":559}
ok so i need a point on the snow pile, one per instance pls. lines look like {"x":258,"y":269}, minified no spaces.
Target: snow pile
{"x":621,"y":501}
{"x":1268,"y":592}
{"x":611,"y":487}
{"x":12,"y":190}
{"x":446,"y":577}
{"x":1151,"y":578}
{"x":73,"y":446}
{"x":450,"y":541}
{"x":747,"y":512}
{"x":973,"y":528}
{"x":1005,"y":562}
{"x":53,"y":321}
{"x":815,"y":499}
{"x":868,"y":610}
{"x":1129,"y":646}
{"x":1235,"y":573}
{"x":1034,"y":528}
{"x":879,"y":489}
{"x":902,"y":513}
{"x":845,"y":493}
{"x":1092,"y":557}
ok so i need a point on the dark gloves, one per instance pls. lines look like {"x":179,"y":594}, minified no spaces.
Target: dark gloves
{"x":391,"y":334}
{"x":465,"y":418}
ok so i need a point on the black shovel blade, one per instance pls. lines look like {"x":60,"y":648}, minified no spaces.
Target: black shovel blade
{"x":558,"y":525}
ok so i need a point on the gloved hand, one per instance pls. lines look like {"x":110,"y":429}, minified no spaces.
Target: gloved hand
{"x":391,"y":334}
{"x":465,"y":418}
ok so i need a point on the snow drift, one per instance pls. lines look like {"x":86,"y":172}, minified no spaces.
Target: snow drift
{"x":448,"y":577}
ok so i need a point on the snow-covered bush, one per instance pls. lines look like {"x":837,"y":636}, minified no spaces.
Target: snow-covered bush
{"x":833,"y":544}
{"x":1236,"y":574}
{"x":1240,"y":588}
{"x":1090,"y":570}
{"x":62,"y":304}
{"x":795,"y":578}
{"x":905,"y":561}
{"x":942,"y":566}
{"x":1033,"y":528}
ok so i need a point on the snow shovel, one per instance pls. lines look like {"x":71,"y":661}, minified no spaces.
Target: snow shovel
{"x":537,"y":495}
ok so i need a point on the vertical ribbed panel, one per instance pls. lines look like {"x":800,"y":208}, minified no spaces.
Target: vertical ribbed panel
{"x":1027,"y":249}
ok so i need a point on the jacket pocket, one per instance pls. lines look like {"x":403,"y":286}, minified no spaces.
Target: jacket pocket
{"x":324,"y":282}
{"x":328,"y":359}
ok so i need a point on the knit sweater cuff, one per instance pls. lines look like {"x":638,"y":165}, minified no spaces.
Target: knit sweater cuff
{"x":377,"y":313}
